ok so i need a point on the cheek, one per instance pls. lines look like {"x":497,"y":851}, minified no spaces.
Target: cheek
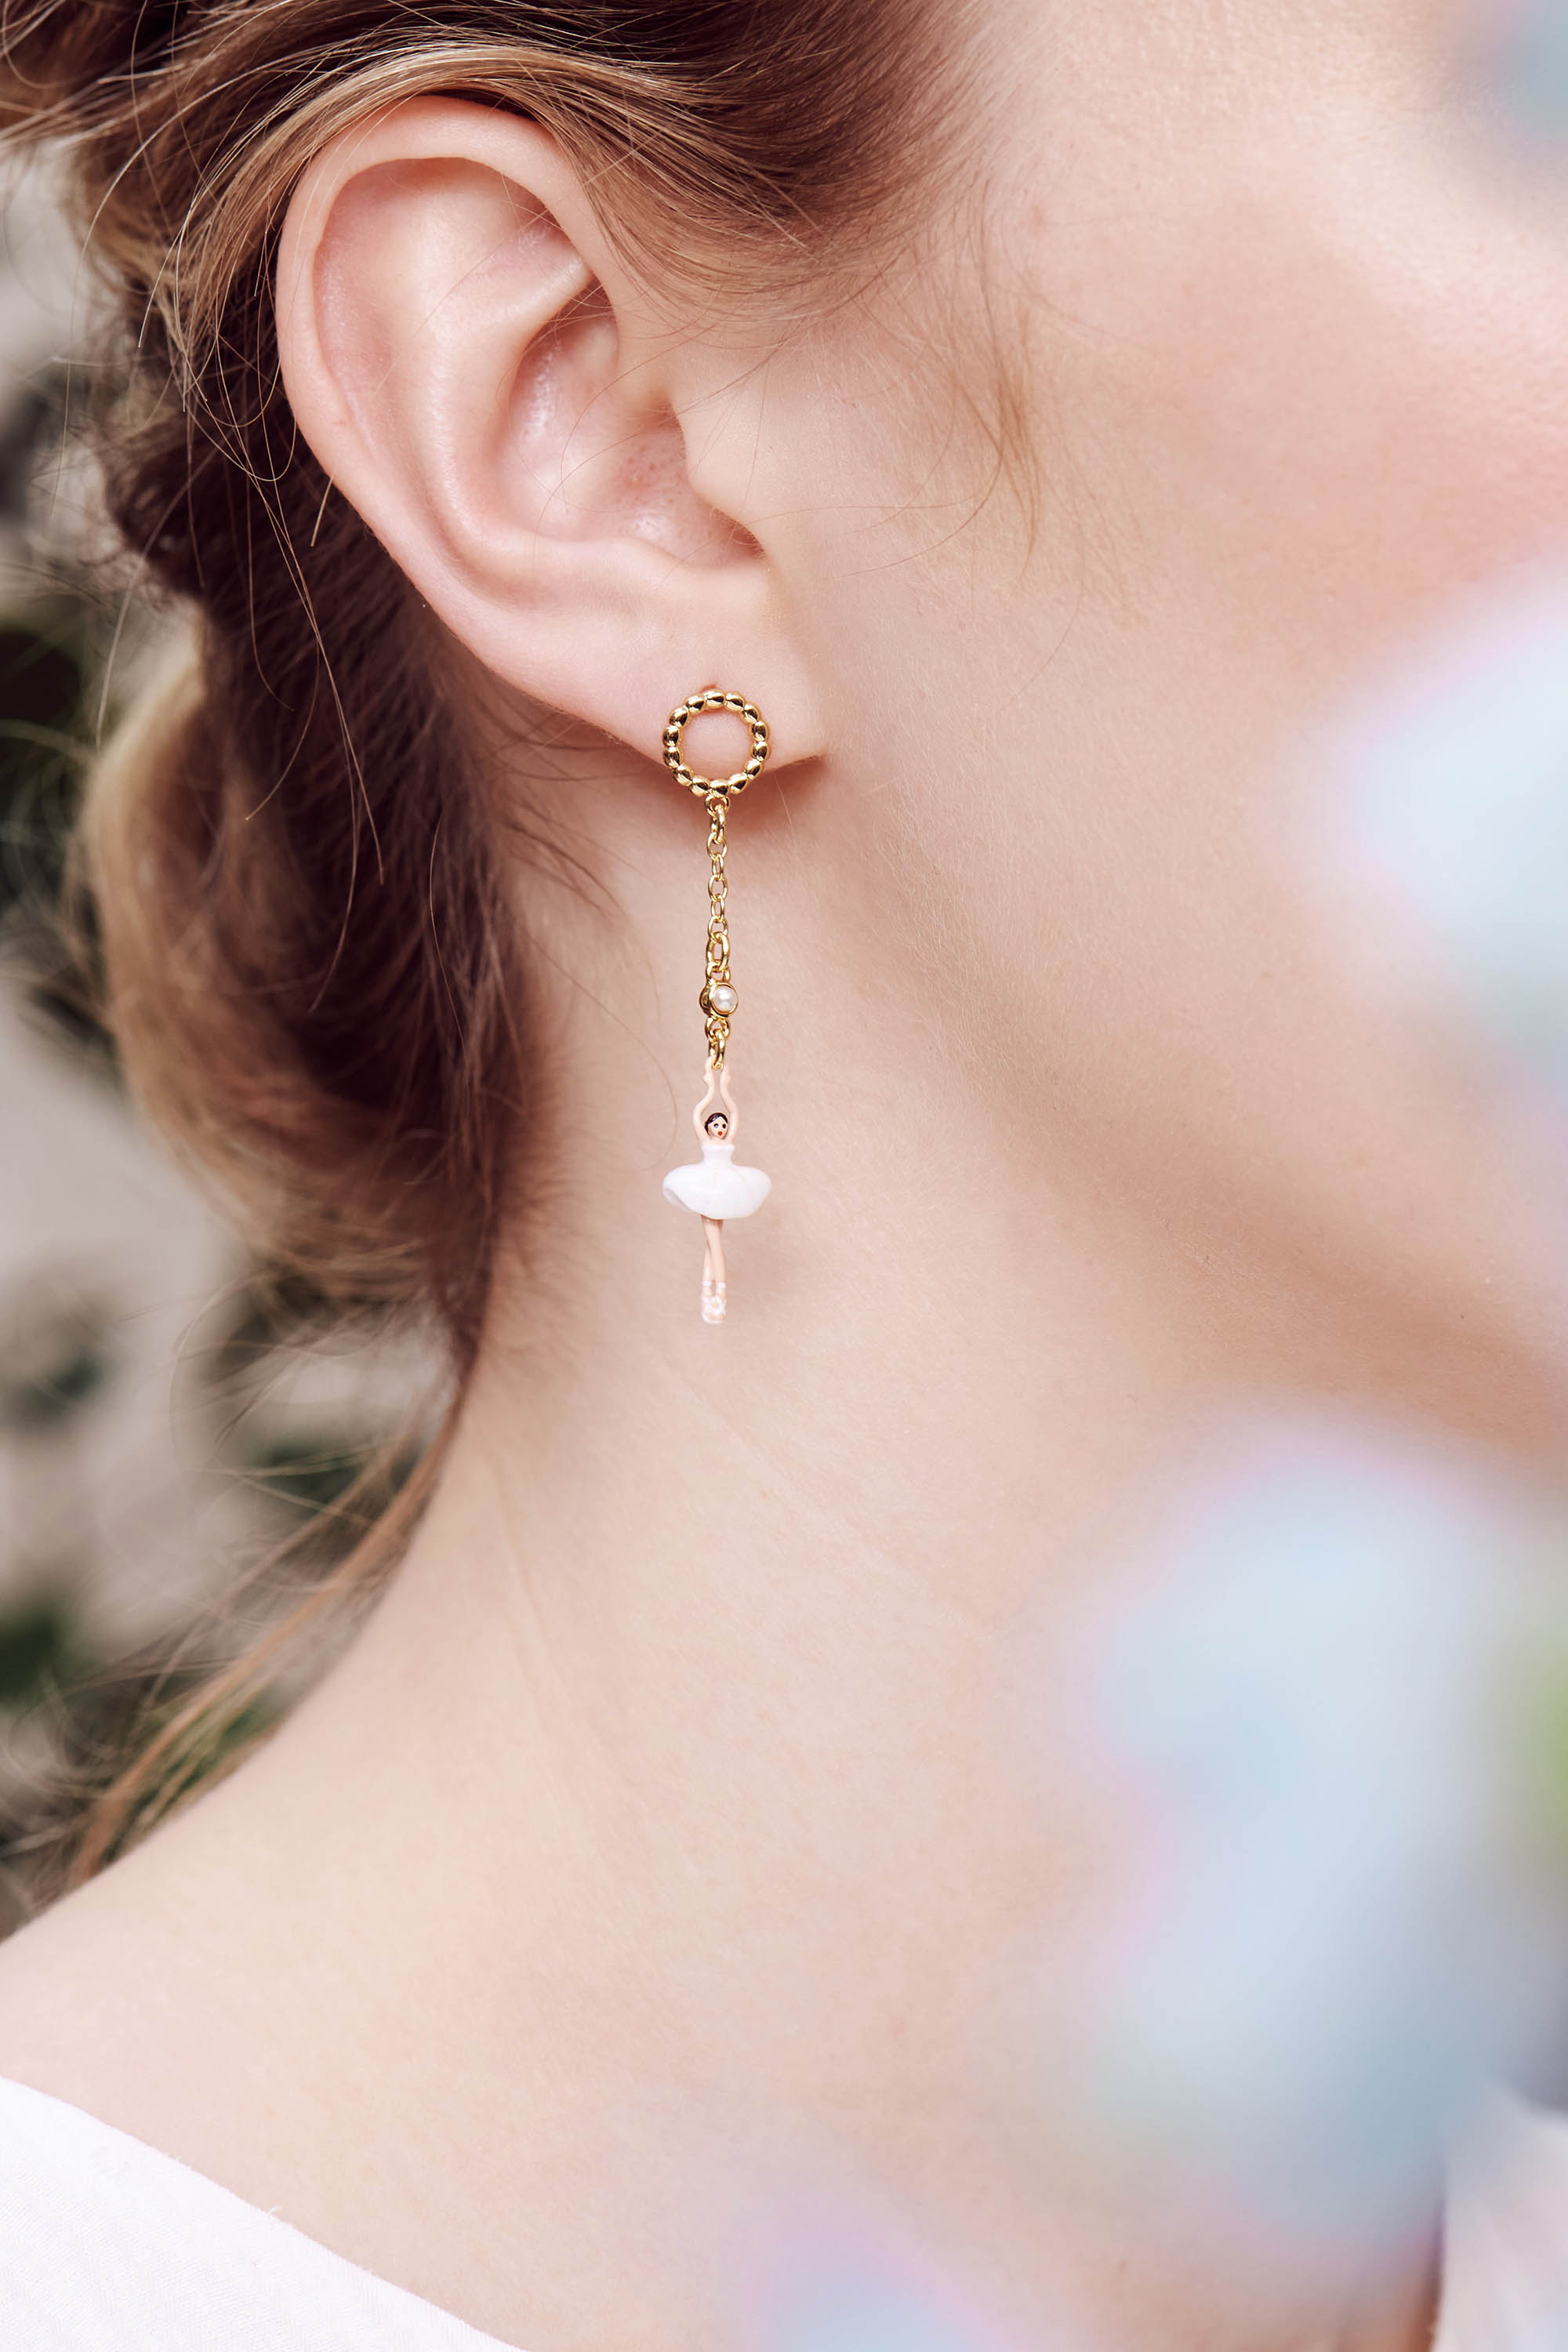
{"x":1287,"y":413}
{"x":1299,"y":396}
{"x":1354,"y":405}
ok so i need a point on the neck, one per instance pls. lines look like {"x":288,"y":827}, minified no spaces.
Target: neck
{"x":703,"y":1670}
{"x":683,"y":1784}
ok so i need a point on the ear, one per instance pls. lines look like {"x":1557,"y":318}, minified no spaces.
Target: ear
{"x":485,"y":385}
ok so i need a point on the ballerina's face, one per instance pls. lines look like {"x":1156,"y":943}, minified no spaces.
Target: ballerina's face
{"x":1269,"y":351}
{"x":716,"y":1126}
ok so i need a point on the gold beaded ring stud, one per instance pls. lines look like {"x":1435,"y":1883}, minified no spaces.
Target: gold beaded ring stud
{"x":713,"y":697}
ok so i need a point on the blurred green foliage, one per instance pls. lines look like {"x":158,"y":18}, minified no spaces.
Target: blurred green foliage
{"x":44,"y":1387}
{"x":343,"y":1481}
{"x":43,"y":744}
{"x":316,"y":1481}
{"x":47,"y":719}
{"x":37,"y":1650}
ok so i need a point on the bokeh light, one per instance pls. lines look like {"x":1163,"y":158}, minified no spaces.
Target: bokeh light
{"x":1334,"y":1924}
{"x":832,"y":2277}
{"x":1449,"y":801}
{"x":1523,"y":65}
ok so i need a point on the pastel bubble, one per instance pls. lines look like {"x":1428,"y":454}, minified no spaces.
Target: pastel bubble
{"x":1329,"y":1940}
{"x":1522,"y":64}
{"x":1448,"y":801}
{"x":835,"y":2283}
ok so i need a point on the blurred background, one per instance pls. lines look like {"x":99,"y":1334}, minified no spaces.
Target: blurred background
{"x":179,"y":1453}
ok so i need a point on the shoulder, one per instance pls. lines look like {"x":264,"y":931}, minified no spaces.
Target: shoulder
{"x":1506,"y":2231}
{"x":107,"y":2245}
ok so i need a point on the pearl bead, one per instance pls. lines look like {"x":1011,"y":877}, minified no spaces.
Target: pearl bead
{"x":720,"y":998}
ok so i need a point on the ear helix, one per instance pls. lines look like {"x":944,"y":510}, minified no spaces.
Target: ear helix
{"x":714,"y":1188}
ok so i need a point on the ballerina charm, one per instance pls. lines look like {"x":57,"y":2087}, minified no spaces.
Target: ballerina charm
{"x":713,"y":1188}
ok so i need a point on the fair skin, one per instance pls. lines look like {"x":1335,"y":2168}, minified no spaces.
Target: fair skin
{"x":665,"y":1833}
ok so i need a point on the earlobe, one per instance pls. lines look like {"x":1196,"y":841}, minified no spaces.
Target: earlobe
{"x":465,"y":363}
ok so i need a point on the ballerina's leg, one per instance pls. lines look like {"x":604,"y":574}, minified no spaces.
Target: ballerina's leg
{"x":713,"y":1290}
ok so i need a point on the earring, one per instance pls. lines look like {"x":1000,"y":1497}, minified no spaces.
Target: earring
{"x":714,"y":1188}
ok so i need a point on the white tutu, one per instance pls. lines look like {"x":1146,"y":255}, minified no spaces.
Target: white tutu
{"x":717,"y":1188}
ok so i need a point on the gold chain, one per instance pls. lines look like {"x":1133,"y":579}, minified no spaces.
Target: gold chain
{"x":719,"y":998}
{"x":717,"y":963}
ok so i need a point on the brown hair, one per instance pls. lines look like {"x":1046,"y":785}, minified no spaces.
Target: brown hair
{"x":310,"y":969}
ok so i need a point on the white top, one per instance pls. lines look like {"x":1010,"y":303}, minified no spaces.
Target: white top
{"x":108,"y":2246}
